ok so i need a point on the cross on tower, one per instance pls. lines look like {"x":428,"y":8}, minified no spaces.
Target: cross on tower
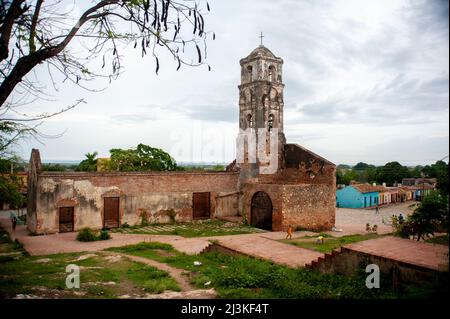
{"x":261,"y":37}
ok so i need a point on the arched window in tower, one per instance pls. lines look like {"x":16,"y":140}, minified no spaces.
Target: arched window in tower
{"x":270,"y":122}
{"x":272,"y":73}
{"x":250,"y":73}
{"x":249,"y":121}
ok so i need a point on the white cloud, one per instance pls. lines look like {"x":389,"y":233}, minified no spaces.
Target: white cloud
{"x":365,"y":81}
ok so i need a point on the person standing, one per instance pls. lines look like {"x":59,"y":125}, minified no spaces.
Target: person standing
{"x":14,"y":223}
{"x":377,"y":209}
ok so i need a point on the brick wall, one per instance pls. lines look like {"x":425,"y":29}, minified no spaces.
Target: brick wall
{"x":151,"y":194}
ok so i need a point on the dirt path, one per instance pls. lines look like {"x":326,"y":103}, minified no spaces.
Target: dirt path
{"x":187,"y":290}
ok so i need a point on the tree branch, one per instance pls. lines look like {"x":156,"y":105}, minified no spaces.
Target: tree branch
{"x":33,"y":25}
{"x":14,"y":12}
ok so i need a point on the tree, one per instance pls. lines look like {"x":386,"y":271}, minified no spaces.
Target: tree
{"x":38,"y":32}
{"x":10,"y":183}
{"x":10,"y":190}
{"x":54,"y":167}
{"x":439,"y":170}
{"x":361,"y":166}
{"x":142,"y":158}
{"x":430,"y":216}
{"x":392,"y":172}
{"x":89,"y":164}
{"x":346,"y":177}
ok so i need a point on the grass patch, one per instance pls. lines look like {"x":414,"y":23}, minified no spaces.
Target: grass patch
{"x":245,"y":277}
{"x":45,"y":276}
{"x":330,"y":243}
{"x":441,"y":240}
{"x":200,"y":228}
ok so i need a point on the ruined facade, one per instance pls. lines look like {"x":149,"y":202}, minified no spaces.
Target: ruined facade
{"x":286,"y":185}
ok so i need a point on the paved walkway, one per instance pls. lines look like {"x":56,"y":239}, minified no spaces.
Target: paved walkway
{"x":353,"y":221}
{"x":427,"y":255}
{"x":66,"y":242}
{"x":259,"y":246}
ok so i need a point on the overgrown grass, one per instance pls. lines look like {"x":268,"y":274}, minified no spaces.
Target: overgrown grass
{"x":9,"y":246}
{"x":100,"y":277}
{"x":441,"y":240}
{"x":245,"y":277}
{"x":329,"y":243}
{"x":192,"y":229}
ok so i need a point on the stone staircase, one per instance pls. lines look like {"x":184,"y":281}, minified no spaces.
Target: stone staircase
{"x":327,"y":259}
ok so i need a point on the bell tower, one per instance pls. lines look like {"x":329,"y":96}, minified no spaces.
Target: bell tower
{"x":261,"y":108}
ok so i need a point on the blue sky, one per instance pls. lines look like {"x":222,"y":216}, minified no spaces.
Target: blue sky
{"x":365,"y":81}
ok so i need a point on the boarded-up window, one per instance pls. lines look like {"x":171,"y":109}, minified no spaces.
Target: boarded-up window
{"x":111,"y":212}
{"x":66,"y":219}
{"x":201,"y":205}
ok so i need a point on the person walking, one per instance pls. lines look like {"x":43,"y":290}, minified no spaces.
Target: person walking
{"x":400,"y":218}
{"x":377,"y":211}
{"x":289,"y":232}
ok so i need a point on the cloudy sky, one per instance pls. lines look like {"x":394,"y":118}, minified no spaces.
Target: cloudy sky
{"x":365,"y":81}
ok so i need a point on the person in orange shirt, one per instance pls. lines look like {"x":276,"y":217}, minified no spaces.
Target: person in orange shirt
{"x":289,"y":232}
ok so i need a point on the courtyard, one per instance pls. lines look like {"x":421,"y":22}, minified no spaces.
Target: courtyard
{"x":177,"y":260}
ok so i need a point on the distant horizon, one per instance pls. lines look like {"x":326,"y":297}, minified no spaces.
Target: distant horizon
{"x":73,"y":162}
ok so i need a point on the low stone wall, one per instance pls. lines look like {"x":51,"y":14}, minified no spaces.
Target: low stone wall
{"x":150,"y":194}
{"x":349,"y":262}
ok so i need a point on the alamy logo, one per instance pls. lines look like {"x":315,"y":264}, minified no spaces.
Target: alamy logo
{"x":261,"y":148}
{"x":373,"y":280}
{"x":73,"y":278}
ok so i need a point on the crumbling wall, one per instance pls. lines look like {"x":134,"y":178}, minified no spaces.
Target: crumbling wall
{"x":227,"y":205}
{"x":154,"y":197}
{"x":309,"y":206}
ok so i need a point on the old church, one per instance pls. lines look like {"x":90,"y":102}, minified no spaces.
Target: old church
{"x":286,"y":185}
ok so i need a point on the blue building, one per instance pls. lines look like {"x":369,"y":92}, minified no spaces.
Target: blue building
{"x":358,"y":196}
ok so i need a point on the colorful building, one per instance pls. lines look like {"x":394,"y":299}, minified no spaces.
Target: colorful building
{"x":359,"y":196}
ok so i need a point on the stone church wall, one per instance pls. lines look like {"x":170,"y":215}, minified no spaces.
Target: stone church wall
{"x":149,"y":194}
{"x":309,"y":206}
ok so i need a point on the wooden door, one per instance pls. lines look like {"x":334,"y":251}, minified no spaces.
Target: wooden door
{"x":66,"y":219}
{"x":111,"y":212}
{"x":201,"y":205}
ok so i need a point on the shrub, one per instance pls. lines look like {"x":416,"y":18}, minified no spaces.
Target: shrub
{"x":244,"y":219}
{"x":144,"y":218}
{"x":87,"y":234}
{"x":429,"y":217}
{"x":104,"y":235}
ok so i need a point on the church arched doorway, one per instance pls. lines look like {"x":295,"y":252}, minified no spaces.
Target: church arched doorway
{"x":261,"y":213}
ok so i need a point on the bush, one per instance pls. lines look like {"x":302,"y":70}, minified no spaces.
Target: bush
{"x":125,"y":225}
{"x":87,"y":234}
{"x":104,"y":235}
{"x":429,"y":217}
